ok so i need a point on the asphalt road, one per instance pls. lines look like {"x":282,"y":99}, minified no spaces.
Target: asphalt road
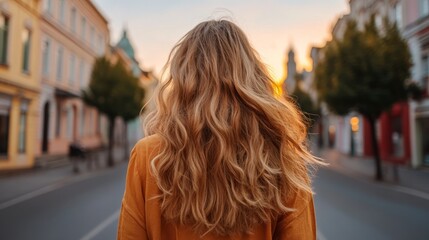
{"x":87,"y":208}
{"x":352,"y":208}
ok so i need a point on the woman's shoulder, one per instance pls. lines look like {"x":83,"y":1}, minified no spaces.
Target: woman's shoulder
{"x":148,"y":144}
{"x":144,"y":150}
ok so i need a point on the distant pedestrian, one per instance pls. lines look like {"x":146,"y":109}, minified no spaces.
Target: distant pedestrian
{"x":77,"y":153}
{"x":226,"y":157}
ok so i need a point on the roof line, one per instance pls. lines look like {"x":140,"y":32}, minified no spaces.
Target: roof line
{"x":97,"y":10}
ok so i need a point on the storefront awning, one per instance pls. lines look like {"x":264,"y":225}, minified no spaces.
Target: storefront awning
{"x":61,"y":93}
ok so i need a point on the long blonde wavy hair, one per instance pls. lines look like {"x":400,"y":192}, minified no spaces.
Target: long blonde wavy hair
{"x":231,"y":150}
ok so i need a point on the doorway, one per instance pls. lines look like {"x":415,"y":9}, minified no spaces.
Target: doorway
{"x":45,"y":133}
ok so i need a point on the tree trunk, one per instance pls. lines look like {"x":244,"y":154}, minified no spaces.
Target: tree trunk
{"x":111,"y":131}
{"x":126,"y":141}
{"x":378,"y":170}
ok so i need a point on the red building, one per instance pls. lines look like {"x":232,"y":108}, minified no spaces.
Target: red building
{"x":393,"y":134}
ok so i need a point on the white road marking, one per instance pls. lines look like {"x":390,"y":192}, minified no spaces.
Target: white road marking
{"x":32,"y":194}
{"x":358,"y":177}
{"x":411,"y":191}
{"x":49,"y":188}
{"x":100,"y":227}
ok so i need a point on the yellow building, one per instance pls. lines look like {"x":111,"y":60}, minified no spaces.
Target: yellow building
{"x":19,"y":82}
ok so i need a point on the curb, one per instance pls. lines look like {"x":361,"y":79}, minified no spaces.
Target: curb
{"x":363,"y":170}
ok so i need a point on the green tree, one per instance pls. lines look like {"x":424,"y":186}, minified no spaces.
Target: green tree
{"x":304,"y":102}
{"x":114,"y":92}
{"x":133,"y":96}
{"x":366,"y":72}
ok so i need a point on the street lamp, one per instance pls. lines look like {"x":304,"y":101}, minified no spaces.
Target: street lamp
{"x":354,"y":126}
{"x":354,"y":123}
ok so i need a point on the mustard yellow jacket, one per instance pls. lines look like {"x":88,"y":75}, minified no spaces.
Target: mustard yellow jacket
{"x":141,"y":218}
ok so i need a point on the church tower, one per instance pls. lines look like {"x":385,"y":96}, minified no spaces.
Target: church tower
{"x":125,"y":44}
{"x":289,"y":83}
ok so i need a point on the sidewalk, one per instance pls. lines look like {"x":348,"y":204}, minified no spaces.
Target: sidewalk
{"x":417,"y":179}
{"x":17,"y":184}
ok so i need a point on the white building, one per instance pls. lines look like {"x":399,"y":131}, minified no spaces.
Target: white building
{"x":413,"y":16}
{"x":337,"y":131}
{"x":73,"y":34}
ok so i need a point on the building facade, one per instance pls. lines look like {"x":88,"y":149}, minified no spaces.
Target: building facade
{"x":73,"y":34}
{"x":352,"y":132}
{"x":414,"y":18}
{"x":337,"y":131}
{"x":19,"y":82}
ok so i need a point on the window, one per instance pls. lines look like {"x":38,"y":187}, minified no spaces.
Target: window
{"x":83,"y":28}
{"x":81,"y":73}
{"x":425,"y":66}
{"x":378,"y":21}
{"x":100,"y":45}
{"x":100,"y":124}
{"x":73,"y":19}
{"x":60,"y":64}
{"x":92,"y":37}
{"x":58,"y":125}
{"x":91,"y":121}
{"x":47,"y":6}
{"x":62,"y":10}
{"x":70,"y":124}
{"x":26,"y":39}
{"x":398,"y":15}
{"x":5,"y":103}
{"x":46,"y":51}
{"x":72,"y":69}
{"x":425,"y":71}
{"x":424,"y":137}
{"x":88,"y":73}
{"x":4,"y":33}
{"x":22,"y":127}
{"x":397,"y":137}
{"x":82,"y":121}
{"x":424,"y":8}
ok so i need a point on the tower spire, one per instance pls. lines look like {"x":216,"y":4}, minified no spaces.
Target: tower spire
{"x":125,"y":30}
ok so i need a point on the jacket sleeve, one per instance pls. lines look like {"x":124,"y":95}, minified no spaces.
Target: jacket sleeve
{"x":132,"y":224}
{"x":299,"y":224}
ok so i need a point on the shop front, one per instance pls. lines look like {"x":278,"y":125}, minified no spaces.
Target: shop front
{"x":424,"y":125}
{"x":395,"y":134}
{"x":422,"y":135}
{"x":18,"y":116}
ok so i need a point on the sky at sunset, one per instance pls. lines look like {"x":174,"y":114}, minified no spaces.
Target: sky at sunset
{"x":271,"y":25}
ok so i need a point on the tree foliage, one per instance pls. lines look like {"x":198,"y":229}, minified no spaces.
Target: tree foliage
{"x":367,"y":72}
{"x":115,"y":92}
{"x":304,"y":102}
